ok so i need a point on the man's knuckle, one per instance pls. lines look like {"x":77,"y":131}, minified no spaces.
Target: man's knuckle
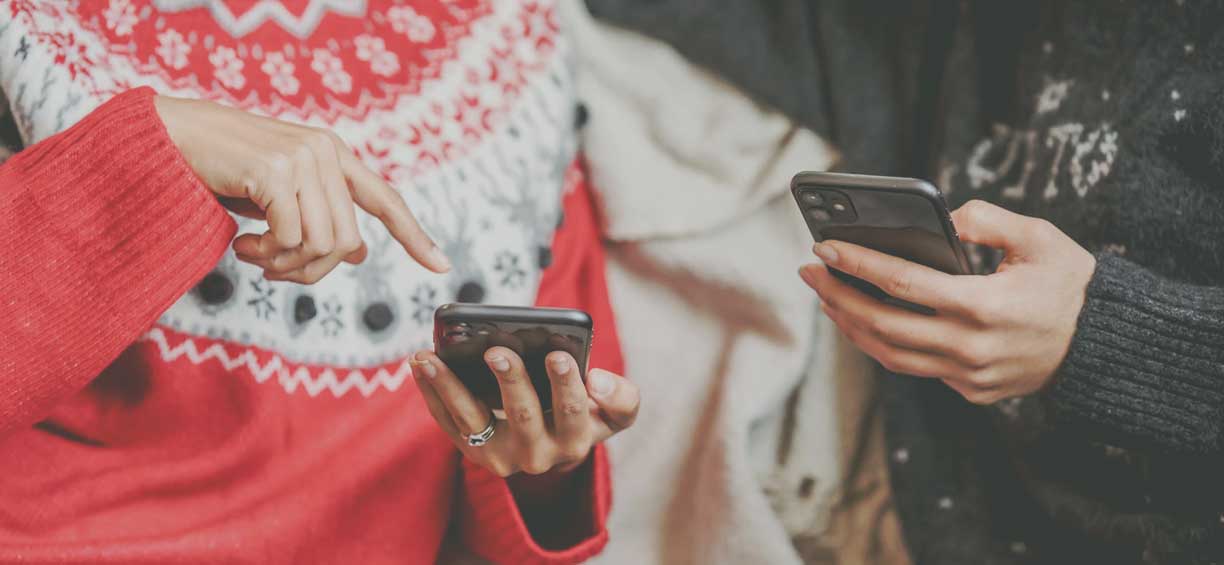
{"x":985,"y":396}
{"x":985,"y":309}
{"x":900,"y":283}
{"x":887,"y":359}
{"x":880,"y":327}
{"x":891,"y":365}
{"x":856,"y":264}
{"x":982,"y":379}
{"x":979,"y":397}
{"x":859,"y":337}
{"x":977,"y":352}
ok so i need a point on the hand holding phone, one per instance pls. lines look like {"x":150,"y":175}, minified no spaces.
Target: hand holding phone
{"x":529,"y":365}
{"x":464,"y":332}
{"x":903,"y":217}
{"x":988,"y":337}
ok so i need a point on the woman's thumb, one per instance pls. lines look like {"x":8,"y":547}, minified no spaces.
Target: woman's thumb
{"x":616,"y":396}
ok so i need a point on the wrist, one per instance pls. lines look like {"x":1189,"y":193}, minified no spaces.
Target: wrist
{"x":1081,"y":272}
{"x":168,"y":111}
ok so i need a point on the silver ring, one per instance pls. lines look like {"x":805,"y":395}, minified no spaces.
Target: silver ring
{"x":483,"y":436}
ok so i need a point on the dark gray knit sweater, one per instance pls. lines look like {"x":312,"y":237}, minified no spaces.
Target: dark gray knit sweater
{"x":1105,"y":117}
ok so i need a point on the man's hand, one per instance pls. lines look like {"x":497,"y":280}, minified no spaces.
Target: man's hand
{"x":992,"y":337}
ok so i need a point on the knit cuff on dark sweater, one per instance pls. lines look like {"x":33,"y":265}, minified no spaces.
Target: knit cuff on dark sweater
{"x":1146,"y":366}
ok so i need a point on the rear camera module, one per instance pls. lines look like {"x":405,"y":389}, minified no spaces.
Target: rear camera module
{"x":826,"y":206}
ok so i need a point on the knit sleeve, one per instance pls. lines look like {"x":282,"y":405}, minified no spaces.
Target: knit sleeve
{"x":1146,"y":365}
{"x":102,"y":227}
{"x":497,"y":529}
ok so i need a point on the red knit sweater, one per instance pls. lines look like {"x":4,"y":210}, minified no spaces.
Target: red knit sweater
{"x":123,"y":441}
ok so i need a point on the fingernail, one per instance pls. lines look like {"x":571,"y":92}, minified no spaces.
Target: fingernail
{"x":499,"y":363}
{"x":826,"y":252}
{"x":427,"y":368}
{"x":601,"y":383}
{"x":439,"y":258}
{"x":559,"y":364}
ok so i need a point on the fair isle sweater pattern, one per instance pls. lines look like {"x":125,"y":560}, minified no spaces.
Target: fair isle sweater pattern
{"x":467,"y":112}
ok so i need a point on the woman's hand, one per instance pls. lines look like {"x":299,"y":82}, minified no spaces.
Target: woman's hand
{"x":992,"y":337}
{"x":583,"y":414}
{"x":304,"y":181}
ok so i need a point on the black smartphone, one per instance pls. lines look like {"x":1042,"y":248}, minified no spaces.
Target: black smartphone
{"x":463,"y":332}
{"x":903,"y":217}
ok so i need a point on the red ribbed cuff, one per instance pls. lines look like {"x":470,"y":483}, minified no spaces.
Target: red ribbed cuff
{"x":106,"y":226}
{"x":494,"y":528}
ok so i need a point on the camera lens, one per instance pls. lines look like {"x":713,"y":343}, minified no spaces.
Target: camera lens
{"x":818,"y":215}
{"x":455,"y":338}
{"x":841,"y":208}
{"x":812,"y":198}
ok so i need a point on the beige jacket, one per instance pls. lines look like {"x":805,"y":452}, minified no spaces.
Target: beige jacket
{"x":757,"y":441}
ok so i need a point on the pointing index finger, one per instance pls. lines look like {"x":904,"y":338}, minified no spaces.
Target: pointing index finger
{"x":383,"y":202}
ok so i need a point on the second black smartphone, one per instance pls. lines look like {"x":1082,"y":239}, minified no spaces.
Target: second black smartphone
{"x":463,"y":332}
{"x":903,"y":217}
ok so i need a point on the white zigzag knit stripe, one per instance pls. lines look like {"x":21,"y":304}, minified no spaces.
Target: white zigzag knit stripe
{"x":239,"y":26}
{"x":288,"y":379}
